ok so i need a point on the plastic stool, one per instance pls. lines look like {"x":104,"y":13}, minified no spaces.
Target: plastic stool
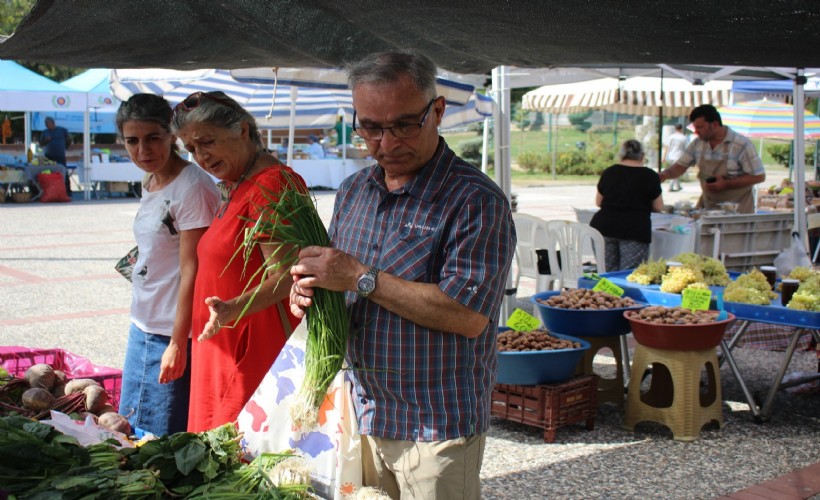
{"x":609,"y":389}
{"x":674,"y":398}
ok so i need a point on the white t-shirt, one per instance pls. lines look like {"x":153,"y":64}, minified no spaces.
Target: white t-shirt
{"x":676,"y":147}
{"x":189,"y":202}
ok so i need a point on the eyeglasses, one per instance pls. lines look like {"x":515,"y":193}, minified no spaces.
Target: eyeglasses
{"x":400,"y":130}
{"x":195,"y":100}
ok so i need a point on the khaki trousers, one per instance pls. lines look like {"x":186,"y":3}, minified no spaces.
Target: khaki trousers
{"x":436,"y":470}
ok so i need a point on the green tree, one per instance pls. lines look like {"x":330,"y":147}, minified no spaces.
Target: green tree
{"x":579,"y":120}
{"x":12,"y":13}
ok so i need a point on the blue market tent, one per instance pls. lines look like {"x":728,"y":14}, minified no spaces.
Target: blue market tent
{"x":102,"y":105}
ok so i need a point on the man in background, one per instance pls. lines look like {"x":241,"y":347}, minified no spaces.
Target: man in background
{"x":675,"y":147}
{"x":315,"y":149}
{"x":728,"y":165}
{"x":55,"y":141}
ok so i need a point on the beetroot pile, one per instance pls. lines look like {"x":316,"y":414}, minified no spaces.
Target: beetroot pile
{"x":43,"y":389}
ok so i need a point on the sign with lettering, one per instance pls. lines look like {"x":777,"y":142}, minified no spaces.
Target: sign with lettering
{"x":521,"y":321}
{"x":696,"y":299}
{"x":604,"y":285}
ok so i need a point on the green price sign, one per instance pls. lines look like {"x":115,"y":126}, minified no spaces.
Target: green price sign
{"x":520,"y":321}
{"x":604,"y":285}
{"x":696,"y":299}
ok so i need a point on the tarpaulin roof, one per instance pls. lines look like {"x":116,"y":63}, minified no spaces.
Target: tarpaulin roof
{"x":465,"y":36}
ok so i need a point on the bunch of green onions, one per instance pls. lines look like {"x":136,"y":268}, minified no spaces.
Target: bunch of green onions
{"x":291,"y":222}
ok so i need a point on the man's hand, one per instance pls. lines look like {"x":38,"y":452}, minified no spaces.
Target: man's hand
{"x":322,"y":267}
{"x":719,"y":185}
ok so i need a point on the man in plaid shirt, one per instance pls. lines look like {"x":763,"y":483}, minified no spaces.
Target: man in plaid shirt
{"x":422,"y":242}
{"x":728,"y":165}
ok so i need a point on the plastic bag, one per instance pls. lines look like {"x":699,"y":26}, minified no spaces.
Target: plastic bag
{"x":333,"y":450}
{"x":793,"y":256}
{"x":53,"y":187}
{"x":87,"y":432}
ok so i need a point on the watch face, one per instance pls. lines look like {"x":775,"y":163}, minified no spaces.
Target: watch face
{"x":366,"y":284}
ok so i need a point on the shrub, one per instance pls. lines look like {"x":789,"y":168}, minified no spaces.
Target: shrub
{"x":781,"y":153}
{"x":531,"y":162}
{"x":470,"y":150}
{"x":579,"y":120}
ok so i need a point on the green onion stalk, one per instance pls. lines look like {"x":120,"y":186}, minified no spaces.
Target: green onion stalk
{"x":289,"y":221}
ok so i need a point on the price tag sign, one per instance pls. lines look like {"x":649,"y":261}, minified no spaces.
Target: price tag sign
{"x":604,"y":285}
{"x":520,"y":321}
{"x":696,"y":299}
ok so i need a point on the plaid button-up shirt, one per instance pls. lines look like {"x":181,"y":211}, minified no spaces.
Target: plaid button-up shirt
{"x":738,"y":151}
{"x":451,"y":226}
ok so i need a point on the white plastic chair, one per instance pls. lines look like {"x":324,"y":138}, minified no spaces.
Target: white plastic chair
{"x":570,"y":237}
{"x":532,"y":234}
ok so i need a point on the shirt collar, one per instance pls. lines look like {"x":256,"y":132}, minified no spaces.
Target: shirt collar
{"x":428,"y":180}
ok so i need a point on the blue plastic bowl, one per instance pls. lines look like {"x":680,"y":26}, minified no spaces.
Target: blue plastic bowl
{"x":540,"y":367}
{"x":583,"y":322}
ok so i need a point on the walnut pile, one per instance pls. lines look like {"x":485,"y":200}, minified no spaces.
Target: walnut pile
{"x":674,"y":316}
{"x":583,"y":298}
{"x":535,"y":340}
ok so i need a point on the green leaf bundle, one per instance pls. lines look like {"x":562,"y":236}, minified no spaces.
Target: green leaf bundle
{"x":290,"y":221}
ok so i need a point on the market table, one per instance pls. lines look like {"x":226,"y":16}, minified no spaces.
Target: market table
{"x":802,"y":321}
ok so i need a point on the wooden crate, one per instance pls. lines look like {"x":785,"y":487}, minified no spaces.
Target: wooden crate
{"x":548,"y":406}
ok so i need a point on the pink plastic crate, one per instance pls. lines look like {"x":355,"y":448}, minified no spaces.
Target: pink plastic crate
{"x":16,"y":360}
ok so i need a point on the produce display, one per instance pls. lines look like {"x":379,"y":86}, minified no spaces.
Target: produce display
{"x":43,"y":389}
{"x":695,"y":271}
{"x":750,"y":288}
{"x":41,"y":462}
{"x":807,"y":296}
{"x":583,"y":298}
{"x":674,"y":316}
{"x":535,"y":340}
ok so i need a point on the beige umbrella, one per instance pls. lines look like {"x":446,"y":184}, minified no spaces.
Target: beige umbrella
{"x":635,"y":96}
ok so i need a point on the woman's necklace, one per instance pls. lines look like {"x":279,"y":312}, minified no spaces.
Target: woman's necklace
{"x":227,"y":192}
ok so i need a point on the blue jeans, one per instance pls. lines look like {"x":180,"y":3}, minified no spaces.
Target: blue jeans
{"x":151,"y":406}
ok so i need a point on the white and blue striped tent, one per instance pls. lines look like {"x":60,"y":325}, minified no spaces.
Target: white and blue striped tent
{"x":314,"y":107}
{"x":322,"y":94}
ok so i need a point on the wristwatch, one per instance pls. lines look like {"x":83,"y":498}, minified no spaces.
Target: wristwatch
{"x":367,"y":282}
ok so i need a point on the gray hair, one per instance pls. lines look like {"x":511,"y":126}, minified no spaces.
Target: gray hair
{"x":631,"y":150}
{"x":217,"y":109}
{"x":388,"y":67}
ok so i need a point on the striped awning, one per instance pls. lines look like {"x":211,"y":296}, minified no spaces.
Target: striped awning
{"x":636,"y":96}
{"x":315,"y":107}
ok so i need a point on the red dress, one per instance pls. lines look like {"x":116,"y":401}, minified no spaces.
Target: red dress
{"x":227,"y":368}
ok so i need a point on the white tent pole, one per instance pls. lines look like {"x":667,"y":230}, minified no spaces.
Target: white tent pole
{"x":485,"y":137}
{"x":294,"y":94}
{"x":270,"y":140}
{"x":27,"y":130}
{"x":800,"y":222}
{"x":501,"y":139}
{"x":87,"y":154}
{"x":501,"y":119}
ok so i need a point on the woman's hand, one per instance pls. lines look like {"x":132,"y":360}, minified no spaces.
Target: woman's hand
{"x":220,"y":317}
{"x":173,"y":363}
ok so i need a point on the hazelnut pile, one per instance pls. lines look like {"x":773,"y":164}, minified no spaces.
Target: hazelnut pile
{"x":583,"y":298}
{"x":674,"y":316}
{"x":535,"y":340}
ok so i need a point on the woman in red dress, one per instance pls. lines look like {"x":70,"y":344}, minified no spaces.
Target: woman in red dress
{"x":228,"y":367}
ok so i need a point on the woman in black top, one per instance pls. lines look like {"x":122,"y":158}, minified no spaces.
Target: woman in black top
{"x":627,"y":193}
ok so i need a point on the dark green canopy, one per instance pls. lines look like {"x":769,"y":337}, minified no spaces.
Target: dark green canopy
{"x":461,"y":36}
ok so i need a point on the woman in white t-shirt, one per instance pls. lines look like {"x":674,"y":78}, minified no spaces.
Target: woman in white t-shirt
{"x":179,"y":201}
